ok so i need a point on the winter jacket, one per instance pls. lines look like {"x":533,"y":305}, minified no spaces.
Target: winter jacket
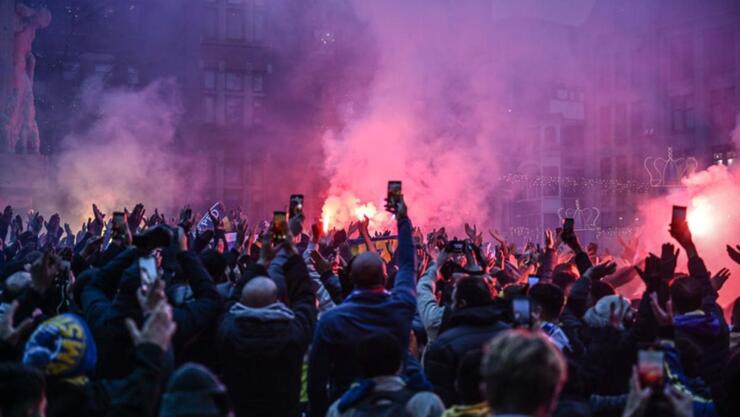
{"x":261,"y":350}
{"x":333,"y":360}
{"x":136,"y":395}
{"x":468,"y":329}
{"x":430,"y":311}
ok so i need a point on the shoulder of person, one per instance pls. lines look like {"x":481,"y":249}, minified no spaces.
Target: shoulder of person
{"x":425,"y":403}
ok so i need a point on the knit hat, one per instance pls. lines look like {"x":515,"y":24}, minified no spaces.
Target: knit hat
{"x":62,"y":347}
{"x":598,"y":315}
{"x":194,"y":391}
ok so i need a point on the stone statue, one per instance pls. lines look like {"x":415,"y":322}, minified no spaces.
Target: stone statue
{"x":18,"y":129}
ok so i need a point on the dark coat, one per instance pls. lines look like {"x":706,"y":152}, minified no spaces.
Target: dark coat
{"x":261,"y":350}
{"x":466,"y":330}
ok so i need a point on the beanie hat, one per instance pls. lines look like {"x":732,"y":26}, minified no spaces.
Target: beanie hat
{"x":598,"y":315}
{"x":62,"y":347}
{"x":194,"y":391}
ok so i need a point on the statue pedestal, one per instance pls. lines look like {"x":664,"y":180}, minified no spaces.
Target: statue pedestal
{"x":24,"y":181}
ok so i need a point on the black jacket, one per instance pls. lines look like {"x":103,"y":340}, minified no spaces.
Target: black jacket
{"x":467,"y":329}
{"x":261,"y":350}
{"x":133,"y":396}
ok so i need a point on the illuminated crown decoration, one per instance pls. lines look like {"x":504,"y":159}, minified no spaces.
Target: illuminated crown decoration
{"x":583,"y":219}
{"x":668,"y":172}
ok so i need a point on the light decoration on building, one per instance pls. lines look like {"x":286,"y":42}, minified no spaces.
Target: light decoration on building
{"x":576,"y":183}
{"x":668,"y":172}
{"x":583,"y":219}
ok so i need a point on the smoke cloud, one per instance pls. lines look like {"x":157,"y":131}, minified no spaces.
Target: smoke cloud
{"x":430,"y":119}
{"x":126,"y":154}
{"x":712,"y":197}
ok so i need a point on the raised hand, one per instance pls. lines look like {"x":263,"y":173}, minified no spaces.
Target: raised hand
{"x":317,"y":231}
{"x":10,"y":333}
{"x":602,"y":269}
{"x":734,"y":253}
{"x":135,"y":217}
{"x":637,"y":399}
{"x":320,"y":264}
{"x":719,"y":279}
{"x":98,"y":221}
{"x":663,"y":317}
{"x":549,"y":239}
{"x":679,"y":230}
{"x":651,"y":276}
{"x":151,"y":297}
{"x":158,"y":328}
{"x":668,"y":259}
{"x":35,"y":222}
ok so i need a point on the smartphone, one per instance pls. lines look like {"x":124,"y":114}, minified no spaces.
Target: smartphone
{"x":533,"y":280}
{"x":279,"y":226}
{"x":679,"y":214}
{"x":522,"y":309}
{"x":296,"y":205}
{"x":456,"y":246}
{"x":118,"y":219}
{"x":650,"y":368}
{"x":568,"y":225}
{"x":394,"y":196}
{"x":147,"y":271}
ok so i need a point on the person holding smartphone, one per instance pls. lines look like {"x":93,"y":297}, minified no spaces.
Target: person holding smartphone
{"x":333,"y":361}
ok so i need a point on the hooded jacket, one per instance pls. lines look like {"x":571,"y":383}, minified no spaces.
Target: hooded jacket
{"x":333,"y":360}
{"x":261,"y":349}
{"x":466,"y":329}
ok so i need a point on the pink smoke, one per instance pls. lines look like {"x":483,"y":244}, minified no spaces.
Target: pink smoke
{"x":713,"y":200}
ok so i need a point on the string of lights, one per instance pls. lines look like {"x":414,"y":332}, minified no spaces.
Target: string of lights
{"x":577,"y":183}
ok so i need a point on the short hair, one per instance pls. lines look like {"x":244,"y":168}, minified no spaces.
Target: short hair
{"x":380,"y":354}
{"x":367,"y":270}
{"x":549,"y":297}
{"x":599,"y":290}
{"x":686,"y":294}
{"x":473,"y":290}
{"x":468,"y":378}
{"x":563,"y":279}
{"x":21,"y":389}
{"x":522,"y":372}
{"x":215,"y":263}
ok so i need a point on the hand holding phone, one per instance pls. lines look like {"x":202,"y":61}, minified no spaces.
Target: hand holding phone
{"x":279,"y":227}
{"x":533,"y":280}
{"x":147,"y":271}
{"x":296,"y":205}
{"x":394,"y":196}
{"x":522,"y":311}
{"x":679,"y":215}
{"x":650,"y":368}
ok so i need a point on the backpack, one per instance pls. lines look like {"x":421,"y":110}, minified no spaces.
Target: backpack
{"x":384,"y":404}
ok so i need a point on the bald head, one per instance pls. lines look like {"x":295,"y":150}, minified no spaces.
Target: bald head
{"x":368,"y":270}
{"x":259,"y":292}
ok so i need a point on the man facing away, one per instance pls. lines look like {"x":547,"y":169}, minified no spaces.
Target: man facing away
{"x":333,"y":362}
{"x":523,"y":374}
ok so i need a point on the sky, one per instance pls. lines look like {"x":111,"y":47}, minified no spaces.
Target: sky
{"x":569,"y":12}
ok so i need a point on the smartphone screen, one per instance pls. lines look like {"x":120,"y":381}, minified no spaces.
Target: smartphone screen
{"x":296,"y":205}
{"x":147,"y":271}
{"x":650,"y":368}
{"x":533,"y":280}
{"x":279,"y":226}
{"x":394,"y":195}
{"x":118,"y":218}
{"x":522,"y":308}
{"x":679,"y":214}
{"x":568,"y":225}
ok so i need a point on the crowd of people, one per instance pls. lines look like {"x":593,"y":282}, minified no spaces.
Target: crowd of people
{"x":139,"y":315}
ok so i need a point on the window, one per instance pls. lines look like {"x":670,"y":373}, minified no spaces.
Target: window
{"x":209,"y":109}
{"x":258,"y":83}
{"x":551,"y":136}
{"x":209,"y":79}
{"x":722,"y":110}
{"x":681,"y":58}
{"x":551,"y":188}
{"x":620,"y":122}
{"x":718,"y":46}
{"x":234,"y":24}
{"x":605,"y":124}
{"x":620,"y":166}
{"x":606,"y":168}
{"x":636,"y":119}
{"x":682,"y":113}
{"x":257,"y":112}
{"x":259,"y":27}
{"x":234,"y":110}
{"x":620,"y":71}
{"x":234,"y":81}
{"x":211,"y":29}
